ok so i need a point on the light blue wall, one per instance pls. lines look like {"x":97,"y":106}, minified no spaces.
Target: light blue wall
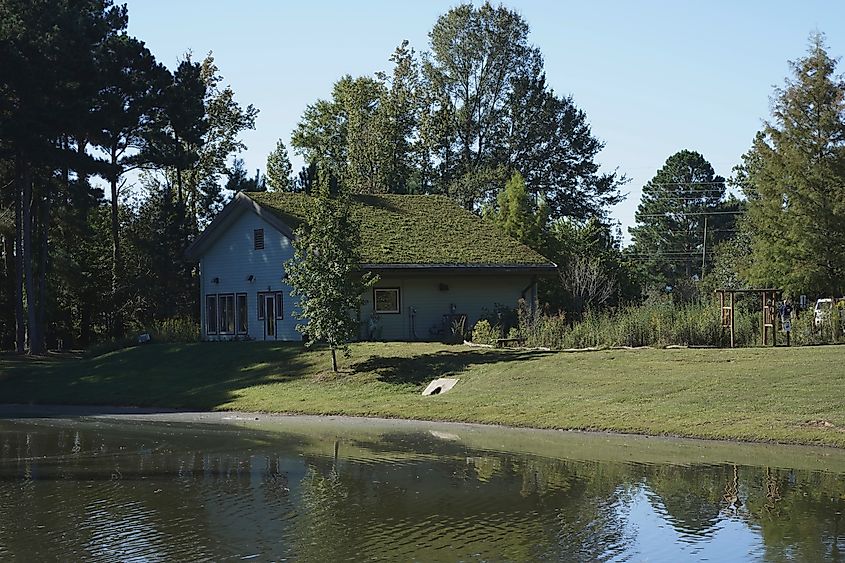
{"x":232,"y":259}
{"x":471,"y":295}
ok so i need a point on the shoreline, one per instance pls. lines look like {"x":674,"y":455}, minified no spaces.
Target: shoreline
{"x":20,"y":411}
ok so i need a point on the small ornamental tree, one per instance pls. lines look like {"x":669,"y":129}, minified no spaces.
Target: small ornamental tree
{"x":325,"y":274}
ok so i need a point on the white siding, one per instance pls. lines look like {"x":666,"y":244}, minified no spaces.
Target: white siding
{"x":232,"y":259}
{"x":471,"y":295}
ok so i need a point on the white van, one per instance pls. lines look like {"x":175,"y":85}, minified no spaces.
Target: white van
{"x":821,"y":312}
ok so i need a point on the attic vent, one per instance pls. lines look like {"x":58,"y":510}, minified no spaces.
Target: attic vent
{"x":258,"y":238}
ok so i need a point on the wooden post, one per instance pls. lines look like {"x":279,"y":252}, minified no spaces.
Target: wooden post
{"x":774,"y":320}
{"x":763,"y":330}
{"x":732,"y":319}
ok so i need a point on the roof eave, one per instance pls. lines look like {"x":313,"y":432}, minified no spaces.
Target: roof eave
{"x":241,"y":201}
{"x":463,"y":268}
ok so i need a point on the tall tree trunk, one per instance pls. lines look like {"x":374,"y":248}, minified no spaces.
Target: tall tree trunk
{"x":84,"y":323}
{"x":117,"y":317}
{"x":43,"y":261}
{"x":35,"y":343}
{"x":20,"y":324}
{"x":334,"y":360}
{"x":85,"y":304}
{"x":178,"y":171}
{"x":178,"y":183}
{"x":9,"y":289}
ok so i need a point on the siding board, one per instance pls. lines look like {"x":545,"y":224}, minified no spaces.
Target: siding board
{"x":232,"y":259}
{"x":472,"y":295}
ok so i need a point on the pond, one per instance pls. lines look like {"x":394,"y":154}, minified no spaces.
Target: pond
{"x":232,"y":487}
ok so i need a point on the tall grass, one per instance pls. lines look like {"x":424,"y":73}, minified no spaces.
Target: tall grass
{"x":177,"y":329}
{"x":663,"y":323}
{"x":657,"y":324}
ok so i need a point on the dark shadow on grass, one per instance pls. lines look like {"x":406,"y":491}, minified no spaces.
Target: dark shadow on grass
{"x":200,"y":376}
{"x":422,"y":368}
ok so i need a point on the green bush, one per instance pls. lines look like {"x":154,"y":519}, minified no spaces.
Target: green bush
{"x":501,"y":316}
{"x":485,"y":333}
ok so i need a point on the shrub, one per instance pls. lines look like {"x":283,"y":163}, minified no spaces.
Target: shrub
{"x":485,"y":333}
{"x":501,"y":316}
{"x":457,"y":331}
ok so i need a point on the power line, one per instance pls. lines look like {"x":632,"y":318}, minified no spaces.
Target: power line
{"x":696,"y":213}
{"x":687,"y":183}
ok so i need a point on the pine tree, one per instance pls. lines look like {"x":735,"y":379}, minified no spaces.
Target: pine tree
{"x":517,"y":214}
{"x":794,"y":177}
{"x":669,"y":235}
{"x":279,"y":170}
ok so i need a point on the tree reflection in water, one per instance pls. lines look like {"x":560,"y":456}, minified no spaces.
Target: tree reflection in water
{"x":77,"y":489}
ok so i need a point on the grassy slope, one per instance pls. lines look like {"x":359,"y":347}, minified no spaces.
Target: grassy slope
{"x":748,"y":394}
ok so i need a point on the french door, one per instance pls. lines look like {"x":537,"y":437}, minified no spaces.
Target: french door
{"x":269,"y":316}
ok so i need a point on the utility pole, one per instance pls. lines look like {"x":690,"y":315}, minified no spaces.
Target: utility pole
{"x":704,"y":248}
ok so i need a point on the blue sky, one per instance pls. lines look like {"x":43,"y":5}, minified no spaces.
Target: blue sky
{"x":653,"y":77}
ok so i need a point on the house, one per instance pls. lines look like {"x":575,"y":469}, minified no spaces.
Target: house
{"x":439,"y":265}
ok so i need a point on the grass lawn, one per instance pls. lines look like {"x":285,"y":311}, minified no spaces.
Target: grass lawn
{"x":790,"y":395}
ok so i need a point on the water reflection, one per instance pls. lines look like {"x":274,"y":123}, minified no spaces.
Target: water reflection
{"x":112,"y":489}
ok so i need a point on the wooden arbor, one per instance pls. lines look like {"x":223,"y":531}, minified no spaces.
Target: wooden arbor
{"x":768,"y":308}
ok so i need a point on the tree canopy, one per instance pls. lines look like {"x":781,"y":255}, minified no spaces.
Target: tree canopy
{"x":459,"y":121}
{"x":682,"y":211}
{"x":324,"y":271}
{"x":794,"y":178}
{"x":83,"y":103}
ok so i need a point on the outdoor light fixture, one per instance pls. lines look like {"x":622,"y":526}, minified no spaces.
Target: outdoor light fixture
{"x":215,"y":280}
{"x":250,"y":278}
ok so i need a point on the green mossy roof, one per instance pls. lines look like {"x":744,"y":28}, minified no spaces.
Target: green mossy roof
{"x":417,"y":229}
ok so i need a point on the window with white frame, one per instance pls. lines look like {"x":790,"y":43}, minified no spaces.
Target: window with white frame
{"x":243,"y":313}
{"x":211,"y":314}
{"x":226,"y":308}
{"x":278,"y":302}
{"x":386,"y":300}
{"x":280,"y":306}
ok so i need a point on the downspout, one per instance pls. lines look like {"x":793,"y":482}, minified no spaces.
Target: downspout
{"x":412,"y":313}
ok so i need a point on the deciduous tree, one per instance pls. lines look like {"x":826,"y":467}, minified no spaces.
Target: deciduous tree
{"x":325,"y":271}
{"x":476,"y":56}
